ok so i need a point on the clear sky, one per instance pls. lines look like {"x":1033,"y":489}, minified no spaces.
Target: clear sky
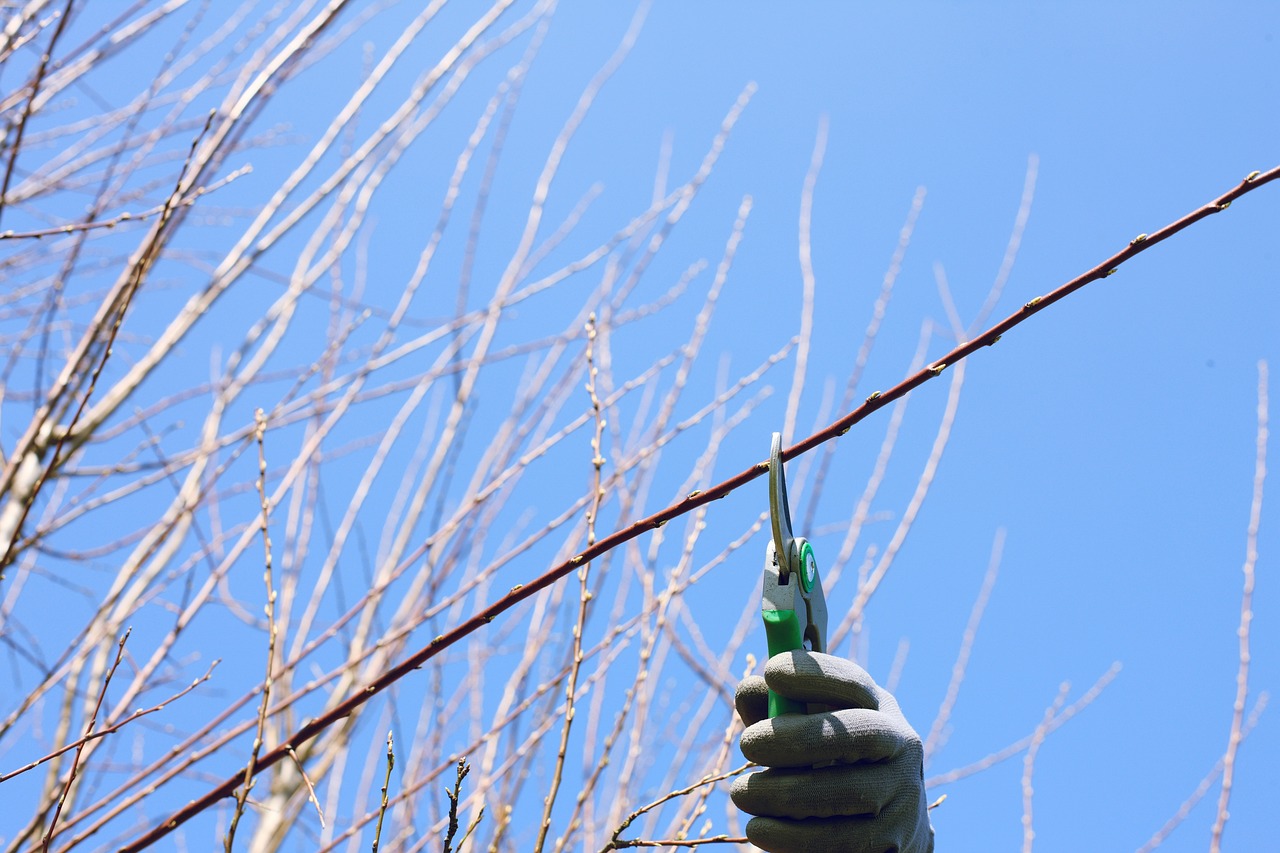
{"x":1109,"y":442}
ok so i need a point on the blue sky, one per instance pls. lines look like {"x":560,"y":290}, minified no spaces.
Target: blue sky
{"x":1111,"y":437}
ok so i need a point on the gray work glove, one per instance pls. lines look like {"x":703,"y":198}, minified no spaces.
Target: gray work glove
{"x":849,"y":780}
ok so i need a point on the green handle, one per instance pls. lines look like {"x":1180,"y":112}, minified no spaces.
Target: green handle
{"x":782,"y":630}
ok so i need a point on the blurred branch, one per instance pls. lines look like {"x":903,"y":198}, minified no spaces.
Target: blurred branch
{"x":1029,"y":763}
{"x":808,"y":280}
{"x":937,"y":732}
{"x":1158,"y":838}
{"x":1013,"y":749}
{"x":878,"y":310}
{"x":1246,"y":614}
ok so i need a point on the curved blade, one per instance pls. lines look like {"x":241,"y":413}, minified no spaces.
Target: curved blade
{"x":779,"y":511}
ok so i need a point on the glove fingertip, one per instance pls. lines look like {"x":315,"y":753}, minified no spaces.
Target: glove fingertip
{"x":821,"y":678}
{"x":751,"y":699}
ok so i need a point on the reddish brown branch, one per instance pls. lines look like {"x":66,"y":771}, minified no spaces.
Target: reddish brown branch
{"x":520,"y":592}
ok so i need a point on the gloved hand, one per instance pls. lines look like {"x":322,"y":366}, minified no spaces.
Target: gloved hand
{"x":849,"y":780}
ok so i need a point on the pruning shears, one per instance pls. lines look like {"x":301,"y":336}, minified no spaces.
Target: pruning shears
{"x":793,"y":605}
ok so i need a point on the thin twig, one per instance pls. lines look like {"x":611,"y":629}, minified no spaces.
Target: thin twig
{"x":1029,"y":763}
{"x":522,"y":592}
{"x":386,"y":784}
{"x":875,"y":480}
{"x":106,"y":730}
{"x":260,"y":430}
{"x":682,"y":842}
{"x":127,"y":216}
{"x":935,"y":739}
{"x":311,"y":789}
{"x":610,"y":739}
{"x":807,"y":278}
{"x":471,"y":828}
{"x":1246,"y":614}
{"x":1206,"y":783}
{"x":878,"y":310}
{"x":584,"y":591}
{"x":615,"y":842}
{"x":899,"y":664}
{"x":463,"y":769}
{"x":867,"y":588}
{"x":75,"y":762}
{"x":1011,"y":248}
{"x":1013,"y":749}
{"x":699,"y":801}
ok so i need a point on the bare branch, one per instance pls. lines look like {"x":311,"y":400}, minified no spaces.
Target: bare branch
{"x":1029,"y":763}
{"x":1246,"y":615}
{"x":386,"y":784}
